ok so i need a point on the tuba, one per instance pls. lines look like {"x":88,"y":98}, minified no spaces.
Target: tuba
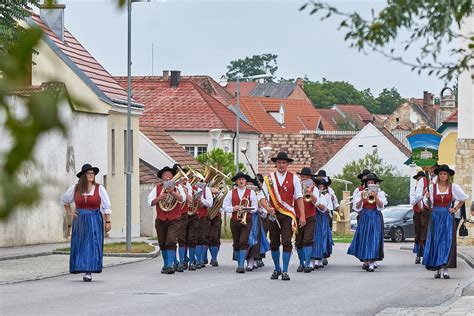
{"x":170,"y":202}
{"x":218,"y":201}
{"x":242,"y":212}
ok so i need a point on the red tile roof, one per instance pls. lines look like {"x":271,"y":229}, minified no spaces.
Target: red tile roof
{"x":358,"y":113}
{"x":183,"y":108}
{"x":329,"y":119}
{"x":169,"y":146}
{"x":74,"y":52}
{"x":213,"y":88}
{"x":299,"y":114}
{"x":245,"y":87}
{"x":148,"y":173}
{"x":326,"y":146}
{"x":453,"y":118}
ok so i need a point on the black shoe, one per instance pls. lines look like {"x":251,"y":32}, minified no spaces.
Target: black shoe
{"x":446,"y":276}
{"x":325,"y":261}
{"x":300,"y":268}
{"x":87,"y":277}
{"x":180,"y":268}
{"x":185,"y":265}
{"x":198,"y":266}
{"x":170,"y":270}
{"x":206,"y":261}
{"x":214,"y":263}
{"x":164,"y":270}
{"x":192,"y":267}
{"x":316,"y":267}
{"x":260,"y":264}
{"x":370,"y":269}
{"x":365,"y":266}
{"x":175,"y":267}
{"x":240,"y":270}
{"x":321,"y":266}
{"x":249,"y":269}
{"x":285,"y":276}
{"x":275,"y":275}
{"x":417,"y":260}
{"x":307,"y":270}
{"x":437,"y":276}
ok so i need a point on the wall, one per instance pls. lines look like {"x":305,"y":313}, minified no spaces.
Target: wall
{"x":46,"y":222}
{"x":147,"y":213}
{"x":151,"y":153}
{"x":362,"y":144}
{"x":447,"y":147}
{"x":403,"y":114}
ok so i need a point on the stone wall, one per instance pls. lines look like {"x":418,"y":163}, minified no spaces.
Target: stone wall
{"x":465,"y":177}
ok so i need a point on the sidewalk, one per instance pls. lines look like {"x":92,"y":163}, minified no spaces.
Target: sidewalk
{"x":35,"y":262}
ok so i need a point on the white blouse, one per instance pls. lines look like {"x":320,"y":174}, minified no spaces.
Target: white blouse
{"x":68,"y":198}
{"x":358,"y":196}
{"x":458,"y":193}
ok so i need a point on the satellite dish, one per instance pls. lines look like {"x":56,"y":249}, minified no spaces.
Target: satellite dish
{"x":413,"y":117}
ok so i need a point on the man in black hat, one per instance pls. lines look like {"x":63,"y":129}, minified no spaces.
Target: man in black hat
{"x":167,"y":221}
{"x":283,"y":189}
{"x":240,"y":202}
{"x":421,"y":215}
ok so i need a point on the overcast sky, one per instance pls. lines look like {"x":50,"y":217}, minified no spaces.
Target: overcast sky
{"x":202,"y":37}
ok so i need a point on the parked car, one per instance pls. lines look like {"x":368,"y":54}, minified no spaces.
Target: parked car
{"x":398,"y":222}
{"x":353,"y":221}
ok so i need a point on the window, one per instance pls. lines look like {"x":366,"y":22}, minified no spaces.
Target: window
{"x":361,"y":145}
{"x":374,"y":146}
{"x":113,"y":150}
{"x":125,"y":150}
{"x":196,"y":150}
{"x":397,"y":119}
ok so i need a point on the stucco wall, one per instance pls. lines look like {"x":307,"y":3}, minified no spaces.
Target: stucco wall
{"x":147,"y":213}
{"x":58,"y":159}
{"x":447,"y":147}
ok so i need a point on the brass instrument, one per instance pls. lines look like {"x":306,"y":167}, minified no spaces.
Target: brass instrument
{"x":218,"y":201}
{"x":193,"y":207}
{"x":306,"y":184}
{"x":370,"y":193}
{"x":169,"y":186}
{"x":243,"y":209}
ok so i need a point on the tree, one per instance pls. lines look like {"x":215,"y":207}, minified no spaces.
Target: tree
{"x":394,"y":185}
{"x":327,"y":93}
{"x":221,"y":160}
{"x":388,"y":101}
{"x":431,"y":24}
{"x":252,"y":66}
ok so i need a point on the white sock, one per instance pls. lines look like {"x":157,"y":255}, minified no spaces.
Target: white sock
{"x":438,"y":272}
{"x":320,"y":262}
{"x":375,"y":263}
{"x":445,"y":271}
{"x":250,"y":263}
{"x":311,"y":263}
{"x":371,"y":265}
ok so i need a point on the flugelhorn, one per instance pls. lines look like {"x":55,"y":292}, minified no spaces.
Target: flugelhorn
{"x":370,"y":193}
{"x":306,"y":184}
{"x":243,"y":210}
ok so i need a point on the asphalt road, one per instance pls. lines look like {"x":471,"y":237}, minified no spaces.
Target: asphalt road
{"x":340,"y":288}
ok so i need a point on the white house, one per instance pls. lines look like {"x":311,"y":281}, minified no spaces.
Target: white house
{"x":367,"y":140}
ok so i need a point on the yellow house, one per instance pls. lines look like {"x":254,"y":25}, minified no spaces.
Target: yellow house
{"x":62,"y":58}
{"x":447,"y":147}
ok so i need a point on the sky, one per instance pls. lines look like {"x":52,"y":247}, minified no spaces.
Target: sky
{"x":202,"y":37}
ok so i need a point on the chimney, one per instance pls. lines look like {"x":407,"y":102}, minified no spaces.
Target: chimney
{"x":53,"y":16}
{"x":300,"y":82}
{"x":426,"y":98}
{"x":175,"y":77}
{"x":166,"y":75}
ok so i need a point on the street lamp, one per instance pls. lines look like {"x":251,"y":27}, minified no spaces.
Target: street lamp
{"x":215,"y":136}
{"x":266,"y":154}
{"x":129,"y":125}
{"x":226,"y":143}
{"x":237,"y":114}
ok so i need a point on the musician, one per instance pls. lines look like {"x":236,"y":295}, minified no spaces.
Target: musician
{"x":321,"y":175}
{"x":323,"y":234}
{"x":263,"y":218}
{"x":440,"y":247}
{"x":304,"y":240}
{"x":421,"y":215}
{"x":215,"y":224}
{"x":283,"y":188}
{"x":367,"y":244}
{"x":167,"y":223}
{"x":241,"y":220}
{"x":205,"y":201}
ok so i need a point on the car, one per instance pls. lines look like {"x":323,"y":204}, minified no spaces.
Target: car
{"x":353,"y":221}
{"x":398,"y":222}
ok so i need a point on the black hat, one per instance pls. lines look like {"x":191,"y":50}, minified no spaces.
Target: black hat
{"x":282,"y":156}
{"x":364,"y":173}
{"x":86,"y":167}
{"x":325,"y":181}
{"x":321,"y":173}
{"x":419,"y":174}
{"x":177,"y":165}
{"x":260,"y":178}
{"x":163,"y":170}
{"x":372,"y":176}
{"x":444,"y":168}
{"x":305,"y":171}
{"x":239,"y":175}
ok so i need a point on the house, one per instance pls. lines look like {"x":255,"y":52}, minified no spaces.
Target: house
{"x":186,"y":112}
{"x":367,"y":140}
{"x":99,"y":134}
{"x":357,"y":116}
{"x":46,"y":222}
{"x":447,"y":146}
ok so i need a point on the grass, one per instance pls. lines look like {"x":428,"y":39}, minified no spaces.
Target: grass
{"x":121,"y":247}
{"x":341,"y":238}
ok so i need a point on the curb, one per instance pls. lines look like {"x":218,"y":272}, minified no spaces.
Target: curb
{"x":459,"y":254}
{"x":30,"y":255}
{"x":153,"y":254}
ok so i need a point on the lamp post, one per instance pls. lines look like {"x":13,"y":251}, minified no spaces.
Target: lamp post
{"x":215,"y":133}
{"x":129,"y":127}
{"x":226,"y":143}
{"x":266,"y":153}
{"x":237,"y":114}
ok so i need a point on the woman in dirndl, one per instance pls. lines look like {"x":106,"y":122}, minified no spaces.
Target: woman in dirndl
{"x":367,"y":244}
{"x":322,"y":248}
{"x":92,"y":206}
{"x":440,"y":247}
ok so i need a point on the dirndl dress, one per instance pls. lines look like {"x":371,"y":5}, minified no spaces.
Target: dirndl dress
{"x":322,"y":246}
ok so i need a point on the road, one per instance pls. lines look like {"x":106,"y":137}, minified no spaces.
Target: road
{"x":340,"y":288}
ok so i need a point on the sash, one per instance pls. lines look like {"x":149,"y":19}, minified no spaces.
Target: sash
{"x":280,"y":205}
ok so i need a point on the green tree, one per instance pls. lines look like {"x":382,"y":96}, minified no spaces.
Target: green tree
{"x":252,"y":66}
{"x":221,"y":160}
{"x":388,"y":101}
{"x":326,"y":93}
{"x":430,"y":23}
{"x":394,"y":185}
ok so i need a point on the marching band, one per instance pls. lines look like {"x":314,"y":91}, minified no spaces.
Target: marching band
{"x":285,"y":207}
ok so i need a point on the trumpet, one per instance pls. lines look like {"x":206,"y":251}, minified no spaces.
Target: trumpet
{"x":242,"y":211}
{"x":306,"y":184}
{"x":370,"y":193}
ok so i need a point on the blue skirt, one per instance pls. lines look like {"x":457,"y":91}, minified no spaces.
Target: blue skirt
{"x":87,"y":242}
{"x":257,"y":237}
{"x":440,"y":247}
{"x":322,"y":247}
{"x":367,"y":244}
